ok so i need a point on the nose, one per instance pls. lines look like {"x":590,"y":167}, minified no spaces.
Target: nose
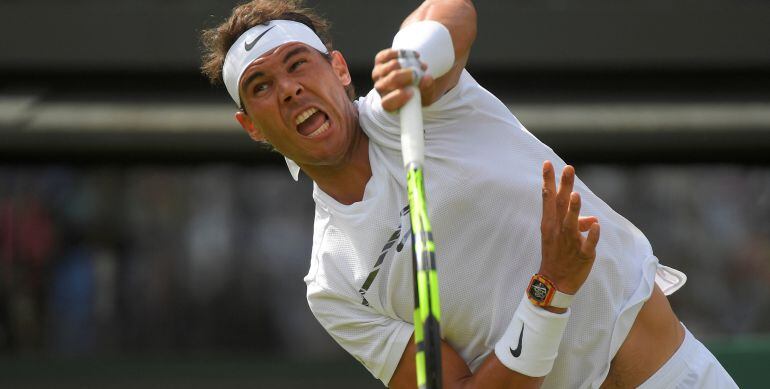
{"x":290,"y":89}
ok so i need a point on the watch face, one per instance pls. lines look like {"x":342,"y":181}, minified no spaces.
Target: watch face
{"x":538,"y":291}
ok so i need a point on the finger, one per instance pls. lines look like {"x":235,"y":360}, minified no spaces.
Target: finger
{"x":396,"y":99}
{"x":385,"y":55}
{"x":383,"y":69}
{"x":426,"y":89}
{"x":565,"y":188}
{"x":397,"y":79}
{"x":588,"y":248}
{"x":549,"y":193}
{"x":573,"y":212}
{"x":585,"y":222}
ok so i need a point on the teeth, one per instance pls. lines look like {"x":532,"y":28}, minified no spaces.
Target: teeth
{"x":320,"y":130}
{"x":304,"y":115}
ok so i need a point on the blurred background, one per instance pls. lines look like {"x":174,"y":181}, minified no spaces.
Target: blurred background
{"x":145,"y":241}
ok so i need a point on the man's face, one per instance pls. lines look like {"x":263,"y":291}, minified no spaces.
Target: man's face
{"x":295,"y":99}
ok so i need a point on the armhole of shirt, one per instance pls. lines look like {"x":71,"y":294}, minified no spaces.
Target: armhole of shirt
{"x":394,"y":346}
{"x":396,"y":352}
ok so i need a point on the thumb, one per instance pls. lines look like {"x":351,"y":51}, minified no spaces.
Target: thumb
{"x":426,"y":83}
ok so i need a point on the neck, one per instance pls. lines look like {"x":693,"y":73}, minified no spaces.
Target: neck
{"x":346,"y":180}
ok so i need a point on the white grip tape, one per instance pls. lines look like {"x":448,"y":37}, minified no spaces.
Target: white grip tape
{"x":412,"y":136}
{"x":531,"y":342}
{"x":432,"y":40}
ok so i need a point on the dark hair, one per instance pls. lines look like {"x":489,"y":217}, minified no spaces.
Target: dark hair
{"x":217,"y":40}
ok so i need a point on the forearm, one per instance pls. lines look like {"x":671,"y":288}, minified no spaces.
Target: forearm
{"x":526,"y":351}
{"x":444,"y":44}
{"x":458,"y":16}
{"x":456,"y":373}
{"x":493,"y":374}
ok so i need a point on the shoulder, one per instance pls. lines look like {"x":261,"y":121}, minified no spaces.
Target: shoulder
{"x":371,"y":104}
{"x":457,"y":102}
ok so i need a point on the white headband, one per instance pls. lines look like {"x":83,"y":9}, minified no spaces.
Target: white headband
{"x":257,"y":41}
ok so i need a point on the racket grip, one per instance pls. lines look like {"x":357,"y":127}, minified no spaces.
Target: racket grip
{"x":412,"y":135}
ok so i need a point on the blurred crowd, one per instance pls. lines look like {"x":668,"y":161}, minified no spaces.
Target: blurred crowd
{"x":104,"y":260}
{"x":153,"y":259}
{"x":711,"y":221}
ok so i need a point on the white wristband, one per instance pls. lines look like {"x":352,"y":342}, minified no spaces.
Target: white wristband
{"x":531,"y":342}
{"x":434,"y":43}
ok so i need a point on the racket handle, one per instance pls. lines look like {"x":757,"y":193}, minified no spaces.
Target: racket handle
{"x":412,"y":135}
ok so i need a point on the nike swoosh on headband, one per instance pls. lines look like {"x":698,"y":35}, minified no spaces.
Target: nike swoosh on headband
{"x":250,"y":46}
{"x":517,"y":352}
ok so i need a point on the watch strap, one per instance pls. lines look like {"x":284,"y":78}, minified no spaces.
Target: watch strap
{"x":561,"y":300}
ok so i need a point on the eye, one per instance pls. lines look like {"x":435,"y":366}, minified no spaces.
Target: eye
{"x":295,"y":65}
{"x":260,"y":87}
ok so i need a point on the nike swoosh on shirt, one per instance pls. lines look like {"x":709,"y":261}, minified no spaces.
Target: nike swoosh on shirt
{"x":517,"y":352}
{"x":250,"y":46}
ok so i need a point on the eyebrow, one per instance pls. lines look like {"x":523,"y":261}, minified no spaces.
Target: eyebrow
{"x":295,"y":51}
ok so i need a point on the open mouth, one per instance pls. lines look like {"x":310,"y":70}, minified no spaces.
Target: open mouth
{"x":312,"y":122}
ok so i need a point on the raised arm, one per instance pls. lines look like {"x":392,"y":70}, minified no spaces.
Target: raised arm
{"x":459,"y":17}
{"x":567,"y":259}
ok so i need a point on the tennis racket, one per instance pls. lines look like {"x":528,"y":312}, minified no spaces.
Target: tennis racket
{"x":427,"y":310}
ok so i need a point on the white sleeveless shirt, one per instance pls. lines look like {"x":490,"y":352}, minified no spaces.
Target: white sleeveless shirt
{"x":483,"y":186}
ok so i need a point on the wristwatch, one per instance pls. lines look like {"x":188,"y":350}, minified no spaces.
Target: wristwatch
{"x":542,"y":292}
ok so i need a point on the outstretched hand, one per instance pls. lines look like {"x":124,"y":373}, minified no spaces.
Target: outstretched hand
{"x":567,"y":255}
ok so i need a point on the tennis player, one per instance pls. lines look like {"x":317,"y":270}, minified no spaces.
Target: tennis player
{"x":530,"y":294}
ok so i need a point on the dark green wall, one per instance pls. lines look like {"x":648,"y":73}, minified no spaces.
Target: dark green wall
{"x":163,"y":35}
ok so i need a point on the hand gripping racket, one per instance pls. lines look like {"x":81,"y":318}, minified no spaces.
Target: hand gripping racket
{"x":427,"y":310}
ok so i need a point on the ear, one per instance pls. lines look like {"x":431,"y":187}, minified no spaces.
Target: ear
{"x":340,"y":68}
{"x":248,"y":125}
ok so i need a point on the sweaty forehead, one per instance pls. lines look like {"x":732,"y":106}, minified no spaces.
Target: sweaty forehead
{"x":279,"y":53}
